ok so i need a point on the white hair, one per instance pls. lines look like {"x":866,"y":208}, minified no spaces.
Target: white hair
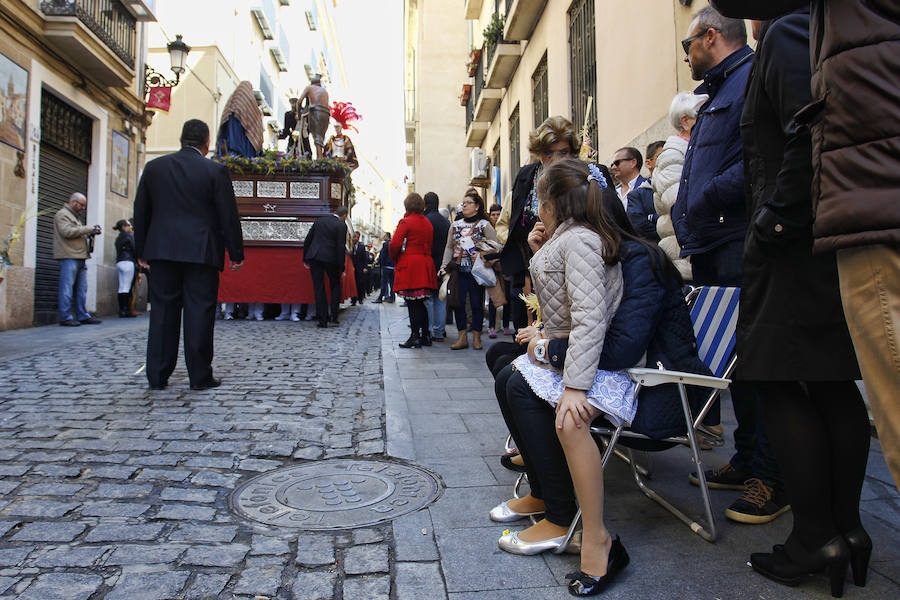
{"x":444,"y":212}
{"x":685,"y":104}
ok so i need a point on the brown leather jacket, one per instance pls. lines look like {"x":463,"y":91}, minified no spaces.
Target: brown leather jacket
{"x":854,"y":116}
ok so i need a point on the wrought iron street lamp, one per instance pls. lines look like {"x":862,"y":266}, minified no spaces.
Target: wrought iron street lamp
{"x":178,"y":52}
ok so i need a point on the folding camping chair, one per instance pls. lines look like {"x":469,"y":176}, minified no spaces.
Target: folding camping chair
{"x":714,"y":313}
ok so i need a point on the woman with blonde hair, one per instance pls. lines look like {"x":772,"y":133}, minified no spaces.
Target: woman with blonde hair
{"x":682,"y":116}
{"x":554,"y":139}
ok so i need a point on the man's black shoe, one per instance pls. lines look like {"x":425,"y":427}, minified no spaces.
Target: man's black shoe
{"x":724,"y":478}
{"x":69,"y":323}
{"x":212,"y":382}
{"x":90,"y":321}
{"x":758,"y":504}
{"x":335,"y":321}
{"x":161,"y":386}
{"x":377,"y":301}
{"x":322,"y":325}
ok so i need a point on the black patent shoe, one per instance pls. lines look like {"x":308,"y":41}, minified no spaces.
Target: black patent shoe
{"x":860,"y":552}
{"x":425,"y":338}
{"x":413,"y":342}
{"x":791,"y":569}
{"x":582,"y":584}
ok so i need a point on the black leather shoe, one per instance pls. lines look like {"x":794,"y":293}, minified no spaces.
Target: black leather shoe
{"x":90,"y":321}
{"x":860,"y":552}
{"x":160,"y":386}
{"x":792,"y":567}
{"x":582,"y":584}
{"x":69,"y":323}
{"x":378,"y":301}
{"x":212,"y":382}
{"x":413,"y":342}
{"x":425,"y":338}
{"x":322,"y":325}
{"x":507,"y":463}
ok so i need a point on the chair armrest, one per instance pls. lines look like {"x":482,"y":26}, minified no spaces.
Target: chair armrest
{"x":653,"y":377}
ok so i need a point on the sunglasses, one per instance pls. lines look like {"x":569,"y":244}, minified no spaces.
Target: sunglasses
{"x":686,"y":43}
{"x":616,"y":162}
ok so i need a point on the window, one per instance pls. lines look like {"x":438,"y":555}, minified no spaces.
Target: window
{"x":514,"y":152}
{"x":539,"y":93}
{"x":583,"y":66}
{"x":495,"y":155}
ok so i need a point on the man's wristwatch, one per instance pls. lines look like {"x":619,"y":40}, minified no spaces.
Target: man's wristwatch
{"x":540,"y":351}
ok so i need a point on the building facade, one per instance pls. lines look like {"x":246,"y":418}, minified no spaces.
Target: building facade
{"x":530,"y":59}
{"x":72,"y":112}
{"x":436,"y":49}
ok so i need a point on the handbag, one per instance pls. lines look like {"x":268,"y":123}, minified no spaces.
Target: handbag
{"x":442,"y":290}
{"x":483,"y":274}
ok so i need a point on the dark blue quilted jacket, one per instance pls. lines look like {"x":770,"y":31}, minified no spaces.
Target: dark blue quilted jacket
{"x":654,"y":319}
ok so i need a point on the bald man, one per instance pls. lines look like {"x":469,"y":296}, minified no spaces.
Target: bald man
{"x":72,"y":243}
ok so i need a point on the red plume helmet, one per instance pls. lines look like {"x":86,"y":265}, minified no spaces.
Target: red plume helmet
{"x":344,"y":113}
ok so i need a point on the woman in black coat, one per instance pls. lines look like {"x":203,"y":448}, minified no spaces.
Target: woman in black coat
{"x":792,"y":339}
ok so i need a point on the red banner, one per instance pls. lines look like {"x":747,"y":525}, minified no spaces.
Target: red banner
{"x":160,"y":99}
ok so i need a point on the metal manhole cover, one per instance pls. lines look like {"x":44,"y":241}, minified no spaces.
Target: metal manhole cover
{"x":335,"y":494}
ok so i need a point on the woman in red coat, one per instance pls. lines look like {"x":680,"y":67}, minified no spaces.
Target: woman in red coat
{"x":414,"y":276}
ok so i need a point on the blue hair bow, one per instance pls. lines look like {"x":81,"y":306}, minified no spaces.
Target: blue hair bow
{"x":596,"y":175}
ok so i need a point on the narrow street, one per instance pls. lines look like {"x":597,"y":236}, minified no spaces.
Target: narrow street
{"x":109,"y":490}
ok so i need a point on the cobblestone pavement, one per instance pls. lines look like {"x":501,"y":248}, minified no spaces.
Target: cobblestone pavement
{"x":108,"y":490}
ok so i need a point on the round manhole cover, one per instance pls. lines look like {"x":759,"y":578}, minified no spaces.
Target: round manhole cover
{"x":335,"y":494}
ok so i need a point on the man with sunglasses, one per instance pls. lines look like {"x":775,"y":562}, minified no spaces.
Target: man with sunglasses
{"x":626,"y":166}
{"x":710,"y":221}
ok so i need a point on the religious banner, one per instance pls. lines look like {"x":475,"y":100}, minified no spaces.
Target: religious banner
{"x":160,"y":99}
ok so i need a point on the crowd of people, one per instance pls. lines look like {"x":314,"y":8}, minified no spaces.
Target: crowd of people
{"x":734,"y":198}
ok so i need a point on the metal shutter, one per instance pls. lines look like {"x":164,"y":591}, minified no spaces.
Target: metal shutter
{"x":60,"y":175}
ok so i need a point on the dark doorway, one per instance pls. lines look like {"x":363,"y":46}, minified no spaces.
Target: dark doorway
{"x":64,"y":161}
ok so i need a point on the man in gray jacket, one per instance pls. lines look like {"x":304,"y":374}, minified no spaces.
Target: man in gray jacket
{"x":71,"y":249}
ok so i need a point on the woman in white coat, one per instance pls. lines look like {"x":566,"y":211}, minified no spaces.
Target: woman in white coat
{"x":682,"y":115}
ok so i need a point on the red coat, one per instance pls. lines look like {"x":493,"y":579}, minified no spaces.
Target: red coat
{"x":414,"y":266}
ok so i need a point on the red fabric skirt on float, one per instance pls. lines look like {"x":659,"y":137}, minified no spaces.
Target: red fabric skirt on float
{"x":276,"y":275}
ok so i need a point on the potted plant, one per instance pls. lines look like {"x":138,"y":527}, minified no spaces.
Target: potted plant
{"x":474,"y":57}
{"x":464,"y":97}
{"x":493,"y":33}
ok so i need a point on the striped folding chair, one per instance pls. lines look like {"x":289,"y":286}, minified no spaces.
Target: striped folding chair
{"x":714,"y":313}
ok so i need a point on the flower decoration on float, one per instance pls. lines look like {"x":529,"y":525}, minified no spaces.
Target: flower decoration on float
{"x":272,"y":162}
{"x":344,"y":113}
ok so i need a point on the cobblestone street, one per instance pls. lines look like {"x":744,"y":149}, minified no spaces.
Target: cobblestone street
{"x":111,"y":491}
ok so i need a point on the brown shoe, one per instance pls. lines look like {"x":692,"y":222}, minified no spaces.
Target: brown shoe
{"x":476,"y":340}
{"x":462,"y":342}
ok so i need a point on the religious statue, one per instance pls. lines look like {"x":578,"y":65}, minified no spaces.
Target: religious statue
{"x":340,"y":146}
{"x":318,"y":112}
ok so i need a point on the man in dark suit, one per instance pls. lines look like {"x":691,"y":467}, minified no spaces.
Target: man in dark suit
{"x":360,"y":268}
{"x":185,"y":216}
{"x":325,"y":251}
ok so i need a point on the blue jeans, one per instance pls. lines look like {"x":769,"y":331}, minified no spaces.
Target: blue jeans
{"x":72,"y":282}
{"x":437,"y":315}
{"x":387,"y":283}
{"x":468,"y":287}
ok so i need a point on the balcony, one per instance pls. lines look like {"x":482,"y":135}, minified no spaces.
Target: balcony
{"x":473,"y":8}
{"x":98,"y":35}
{"x":522,"y":17}
{"x":264,"y":12}
{"x":502,"y":60}
{"x":487,"y":101}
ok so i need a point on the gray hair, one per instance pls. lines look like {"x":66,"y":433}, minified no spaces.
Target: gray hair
{"x":77,"y":196}
{"x":733,"y":30}
{"x":685,"y":104}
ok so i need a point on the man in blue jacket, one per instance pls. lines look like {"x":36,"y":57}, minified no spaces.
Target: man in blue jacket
{"x":710,"y":221}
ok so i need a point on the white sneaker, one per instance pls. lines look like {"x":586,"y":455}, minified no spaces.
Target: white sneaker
{"x":282,"y":318}
{"x":295,"y":317}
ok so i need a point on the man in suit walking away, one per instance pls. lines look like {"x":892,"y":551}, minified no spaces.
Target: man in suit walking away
{"x":185,"y":216}
{"x":325,"y":251}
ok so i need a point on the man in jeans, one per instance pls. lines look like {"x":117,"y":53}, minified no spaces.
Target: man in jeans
{"x":386,"y":265}
{"x":70,"y":248}
{"x":437,"y":308}
{"x":710,"y":221}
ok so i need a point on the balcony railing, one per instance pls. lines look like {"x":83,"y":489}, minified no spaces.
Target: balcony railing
{"x":107,"y":19}
{"x":470,"y":111}
{"x":479,"y":80}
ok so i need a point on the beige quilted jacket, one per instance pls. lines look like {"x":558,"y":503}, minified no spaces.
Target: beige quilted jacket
{"x":578,"y":294}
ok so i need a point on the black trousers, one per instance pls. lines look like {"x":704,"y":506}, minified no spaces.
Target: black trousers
{"x":318,"y":270}
{"x":178,"y":288}
{"x":820,"y":432}
{"x":500,"y":354}
{"x":362,"y":284}
{"x":532,"y":423}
